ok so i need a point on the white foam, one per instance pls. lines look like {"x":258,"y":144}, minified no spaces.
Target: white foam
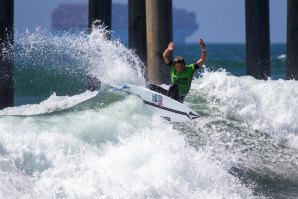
{"x":112,"y":62}
{"x":282,"y":57}
{"x":269,"y":106}
{"x":148,"y":161}
{"x":52,"y":104}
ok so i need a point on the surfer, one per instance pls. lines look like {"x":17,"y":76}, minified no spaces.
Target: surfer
{"x":181,"y":73}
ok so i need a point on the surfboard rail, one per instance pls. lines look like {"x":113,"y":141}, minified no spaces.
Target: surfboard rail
{"x":163,"y":105}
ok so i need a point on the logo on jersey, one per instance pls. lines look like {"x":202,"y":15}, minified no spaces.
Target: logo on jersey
{"x":157,"y":99}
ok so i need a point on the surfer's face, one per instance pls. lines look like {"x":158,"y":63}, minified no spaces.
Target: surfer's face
{"x":179,"y":67}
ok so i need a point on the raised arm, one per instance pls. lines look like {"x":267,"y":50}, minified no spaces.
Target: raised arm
{"x":166,"y":53}
{"x":203,"y":57}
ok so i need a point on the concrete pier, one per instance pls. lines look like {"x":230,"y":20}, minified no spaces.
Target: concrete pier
{"x":292,"y":40}
{"x":100,"y":10}
{"x":159,"y":21}
{"x":257,"y":38}
{"x":137,"y":27}
{"x":6,"y":53}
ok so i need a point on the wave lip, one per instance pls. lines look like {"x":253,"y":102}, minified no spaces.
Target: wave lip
{"x":52,"y":104}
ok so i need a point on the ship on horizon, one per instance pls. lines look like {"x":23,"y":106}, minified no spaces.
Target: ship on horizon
{"x":74,"y":17}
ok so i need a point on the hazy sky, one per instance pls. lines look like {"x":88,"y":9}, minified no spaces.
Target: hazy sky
{"x":219,"y":20}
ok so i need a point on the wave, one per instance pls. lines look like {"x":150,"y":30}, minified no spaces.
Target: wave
{"x":115,"y":147}
{"x":52,"y":104}
{"x":47,"y":63}
{"x":116,"y":151}
{"x":282,"y":57}
{"x":268,"y":106}
{"x":250,"y":125}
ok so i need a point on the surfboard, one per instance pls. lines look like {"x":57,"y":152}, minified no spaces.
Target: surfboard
{"x":162,"y":105}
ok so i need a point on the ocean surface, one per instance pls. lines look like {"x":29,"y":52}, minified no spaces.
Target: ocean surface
{"x":61,"y":141}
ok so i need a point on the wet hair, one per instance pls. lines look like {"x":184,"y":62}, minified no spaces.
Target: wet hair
{"x":179,"y":59}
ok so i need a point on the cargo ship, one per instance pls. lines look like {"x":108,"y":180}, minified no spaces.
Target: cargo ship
{"x":74,"y":17}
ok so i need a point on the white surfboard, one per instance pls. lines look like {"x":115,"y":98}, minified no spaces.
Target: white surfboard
{"x":162,"y":105}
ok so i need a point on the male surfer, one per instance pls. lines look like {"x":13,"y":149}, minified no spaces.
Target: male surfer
{"x":181,"y":74}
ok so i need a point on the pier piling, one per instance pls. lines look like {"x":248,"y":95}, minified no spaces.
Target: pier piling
{"x":159,"y":34}
{"x":257,"y":38}
{"x":6,"y":53}
{"x":100,"y":10}
{"x":292,"y":40}
{"x":137,"y":27}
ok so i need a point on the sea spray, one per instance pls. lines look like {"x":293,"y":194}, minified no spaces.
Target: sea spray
{"x":112,"y":62}
{"x":60,"y":62}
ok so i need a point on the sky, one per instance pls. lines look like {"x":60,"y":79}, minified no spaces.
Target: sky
{"x":221,"y":21}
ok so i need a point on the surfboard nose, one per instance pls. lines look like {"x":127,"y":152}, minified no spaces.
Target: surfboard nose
{"x":192,"y":115}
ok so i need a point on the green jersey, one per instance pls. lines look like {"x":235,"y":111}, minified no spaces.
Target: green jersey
{"x":183,"y":79}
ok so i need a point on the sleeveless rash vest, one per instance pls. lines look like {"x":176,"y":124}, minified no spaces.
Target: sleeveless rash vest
{"x":183,"y":79}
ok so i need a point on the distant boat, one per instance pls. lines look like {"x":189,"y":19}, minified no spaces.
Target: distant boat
{"x":74,"y":17}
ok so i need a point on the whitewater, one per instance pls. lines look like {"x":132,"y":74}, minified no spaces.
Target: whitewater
{"x":107,"y":144}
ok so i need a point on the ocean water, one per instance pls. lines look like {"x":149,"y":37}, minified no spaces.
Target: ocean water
{"x":61,"y":141}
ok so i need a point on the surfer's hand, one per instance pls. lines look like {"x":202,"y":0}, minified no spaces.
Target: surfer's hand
{"x":171,"y":46}
{"x":202,"y":44}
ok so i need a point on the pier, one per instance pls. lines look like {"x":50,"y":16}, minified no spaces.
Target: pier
{"x":159,"y":34}
{"x":6,"y":53}
{"x":137,"y":28}
{"x":150,"y":31}
{"x":257,"y":38}
{"x":292,"y":40}
{"x":100,"y":10}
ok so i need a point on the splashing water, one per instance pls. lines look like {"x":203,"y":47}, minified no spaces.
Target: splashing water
{"x":113,"y":147}
{"x":251,"y":125}
{"x":112,"y":62}
{"x":77,"y":55}
{"x":268,"y":106}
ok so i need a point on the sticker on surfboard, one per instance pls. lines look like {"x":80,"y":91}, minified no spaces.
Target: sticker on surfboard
{"x":157,"y":99}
